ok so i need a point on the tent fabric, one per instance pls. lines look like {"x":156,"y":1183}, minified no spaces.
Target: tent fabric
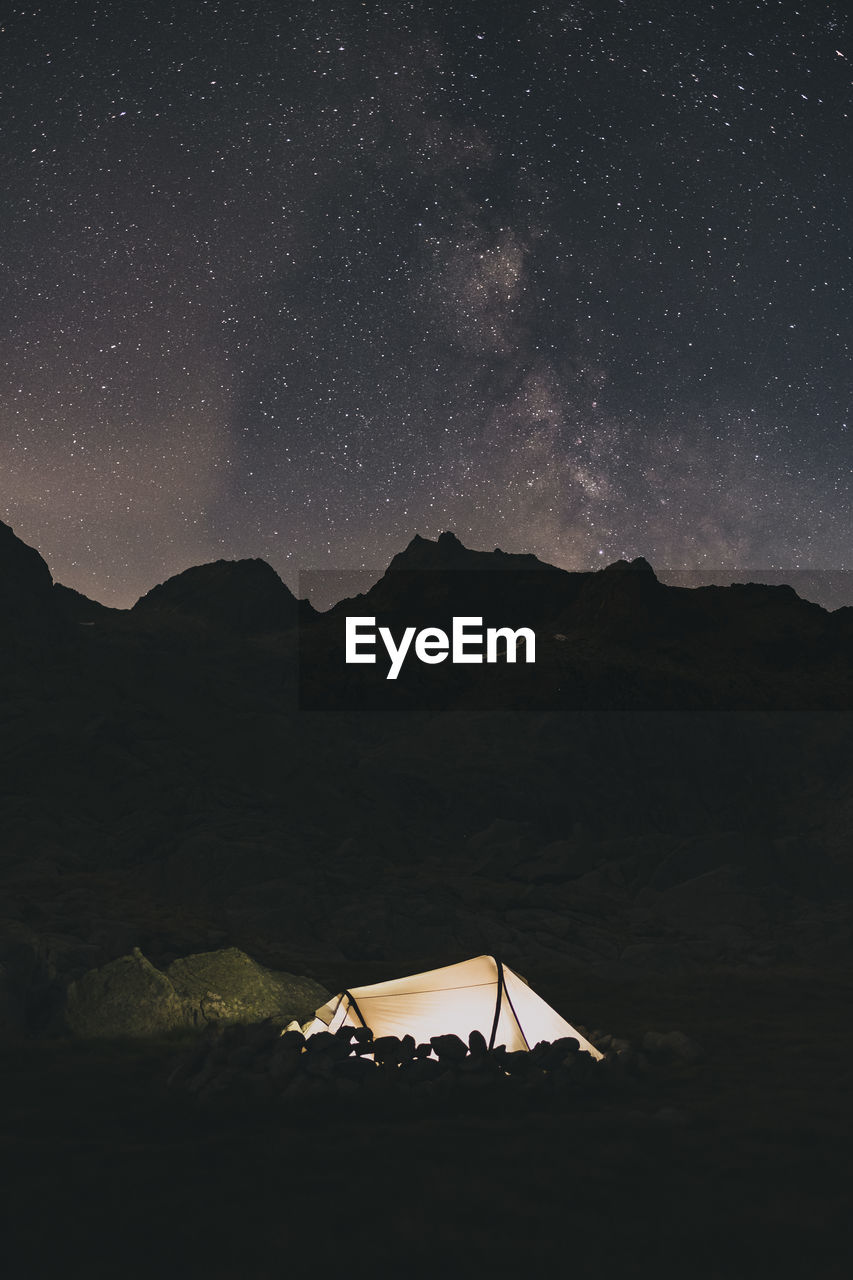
{"x":457,"y":999}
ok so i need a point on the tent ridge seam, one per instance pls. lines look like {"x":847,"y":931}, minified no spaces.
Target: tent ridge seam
{"x":401,"y":995}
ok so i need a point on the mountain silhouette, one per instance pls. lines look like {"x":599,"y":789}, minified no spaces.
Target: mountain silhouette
{"x":28,"y":605}
{"x":729,"y":644}
{"x":244,"y":596}
{"x":78,"y":608}
{"x":743,"y":645}
{"x":667,"y":787}
{"x":430,"y":582}
{"x":447,"y":552}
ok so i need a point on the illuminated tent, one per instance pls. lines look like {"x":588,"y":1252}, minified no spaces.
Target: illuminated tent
{"x":477,"y":995}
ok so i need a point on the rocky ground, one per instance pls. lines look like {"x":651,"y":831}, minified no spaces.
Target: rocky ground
{"x":737,"y":1165}
{"x":264,"y":1063}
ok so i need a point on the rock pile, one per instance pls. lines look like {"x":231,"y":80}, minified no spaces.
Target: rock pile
{"x":263,"y":1063}
{"x":130,"y":997}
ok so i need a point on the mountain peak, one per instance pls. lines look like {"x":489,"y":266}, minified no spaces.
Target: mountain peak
{"x":422,"y":553}
{"x":448,"y":552}
{"x":639,"y":565}
{"x":26,"y":585}
{"x":242,"y":595}
{"x":20,"y":562}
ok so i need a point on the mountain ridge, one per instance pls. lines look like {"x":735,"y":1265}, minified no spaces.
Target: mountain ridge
{"x":668,"y":787}
{"x":442,"y":553}
{"x":623,"y":606}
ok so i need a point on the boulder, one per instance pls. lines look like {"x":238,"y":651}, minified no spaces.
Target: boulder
{"x":477,"y":1044}
{"x":130,"y":997}
{"x":388,"y":1051}
{"x":517,"y":1063}
{"x":449,"y":1048}
{"x":362,"y":1040}
{"x":228,"y":986}
{"x":288,"y":1046}
{"x":322,"y":1042}
{"x":127,"y":997}
{"x":562,"y":1050}
{"x":31,"y":965}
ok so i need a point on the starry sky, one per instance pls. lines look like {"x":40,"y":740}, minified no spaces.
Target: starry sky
{"x":298,"y":280}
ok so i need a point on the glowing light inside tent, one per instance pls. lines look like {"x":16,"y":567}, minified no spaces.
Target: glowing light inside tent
{"x":457,"y":999}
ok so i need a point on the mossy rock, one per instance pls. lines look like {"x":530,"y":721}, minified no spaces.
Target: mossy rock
{"x":127,"y":997}
{"x":229,"y":986}
{"x":130,"y":997}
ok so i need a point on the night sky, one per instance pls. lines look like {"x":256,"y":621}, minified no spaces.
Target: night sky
{"x":300,"y":280}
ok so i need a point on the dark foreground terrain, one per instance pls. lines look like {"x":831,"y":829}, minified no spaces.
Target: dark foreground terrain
{"x":738,"y":1166}
{"x":206,"y":817}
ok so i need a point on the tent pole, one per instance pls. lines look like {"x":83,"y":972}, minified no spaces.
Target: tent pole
{"x":353,"y":1005}
{"x":497,"y":1016}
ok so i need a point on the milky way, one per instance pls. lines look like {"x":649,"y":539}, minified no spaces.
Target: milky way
{"x":298,"y":281}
